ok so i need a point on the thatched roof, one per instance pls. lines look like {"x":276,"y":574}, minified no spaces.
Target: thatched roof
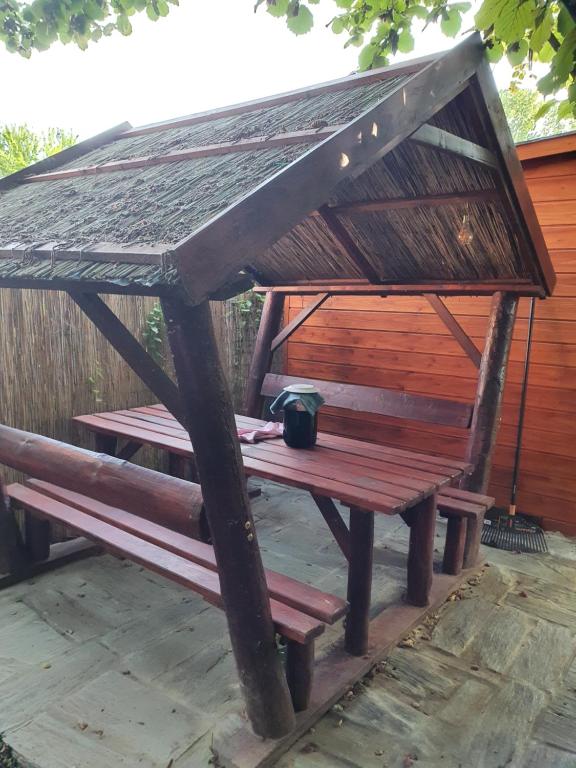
{"x":334,"y":184}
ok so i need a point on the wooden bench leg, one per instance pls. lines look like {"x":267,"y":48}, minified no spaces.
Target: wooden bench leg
{"x":454,"y":547}
{"x":299,"y":672}
{"x":421,"y":552}
{"x":361,"y":540}
{"x":472,"y":543}
{"x":37,"y":537}
{"x":106,"y":444}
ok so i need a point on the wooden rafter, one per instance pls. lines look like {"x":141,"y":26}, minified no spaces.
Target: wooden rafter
{"x":347,"y":244}
{"x":300,"y":318}
{"x":437,"y":138}
{"x":131,"y":351}
{"x":316,"y":173}
{"x":101,"y":252}
{"x":424,"y":201}
{"x":192,"y":153}
{"x":455,"y":328}
{"x":481,"y":288}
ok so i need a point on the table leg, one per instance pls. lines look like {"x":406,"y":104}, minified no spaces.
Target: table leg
{"x":421,"y":552}
{"x":361,"y":542}
{"x":106,"y":444}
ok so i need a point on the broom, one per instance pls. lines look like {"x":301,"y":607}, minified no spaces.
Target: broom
{"x":513,"y":531}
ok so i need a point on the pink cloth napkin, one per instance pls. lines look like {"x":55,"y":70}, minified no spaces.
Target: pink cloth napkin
{"x":268,"y":431}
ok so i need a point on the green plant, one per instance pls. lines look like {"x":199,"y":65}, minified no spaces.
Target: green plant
{"x":7,"y":757}
{"x":154,"y":333}
{"x":249,"y":305}
{"x":20,"y":146}
{"x":95,"y":382}
{"x":524,"y":31}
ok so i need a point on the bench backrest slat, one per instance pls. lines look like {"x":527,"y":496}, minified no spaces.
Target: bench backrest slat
{"x":386,"y":402}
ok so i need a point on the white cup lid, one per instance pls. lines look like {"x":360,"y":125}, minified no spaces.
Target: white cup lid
{"x":301,"y":389}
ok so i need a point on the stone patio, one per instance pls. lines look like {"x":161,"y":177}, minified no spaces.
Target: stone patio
{"x":103,"y":664}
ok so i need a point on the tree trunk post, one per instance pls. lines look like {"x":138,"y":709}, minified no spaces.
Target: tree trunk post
{"x":421,"y":552}
{"x":13,"y":556}
{"x":487,"y":408}
{"x":210,"y":422}
{"x":361,"y":543}
{"x":262,"y":356}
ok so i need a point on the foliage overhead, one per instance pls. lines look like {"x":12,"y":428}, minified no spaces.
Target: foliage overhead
{"x":20,"y":146}
{"x":25,"y":26}
{"x":522,"y":105}
{"x":523,"y":31}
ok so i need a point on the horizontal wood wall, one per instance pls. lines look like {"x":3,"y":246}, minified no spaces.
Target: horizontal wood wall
{"x":400,"y":343}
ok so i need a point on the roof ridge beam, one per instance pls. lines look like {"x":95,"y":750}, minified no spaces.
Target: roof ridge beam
{"x":340,"y":84}
{"x":227,"y":147}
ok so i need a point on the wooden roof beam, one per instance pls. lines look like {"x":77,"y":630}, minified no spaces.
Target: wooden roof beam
{"x":520,"y":287}
{"x":347,"y":244}
{"x":300,"y":318}
{"x":424,"y":201}
{"x":437,"y":138}
{"x":100,"y":252}
{"x":455,"y":328}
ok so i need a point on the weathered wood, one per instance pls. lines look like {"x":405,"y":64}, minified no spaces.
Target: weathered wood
{"x":454,"y":546}
{"x":486,"y":419}
{"x":210,"y":421}
{"x":359,"y":580}
{"x":431,"y":136}
{"x":105,"y":444}
{"x":347,"y":244}
{"x":131,"y":351}
{"x":129,"y":450}
{"x":205,"y":259}
{"x":61,"y":553}
{"x":37,"y":536}
{"x":472,"y":541}
{"x":341,"y":84}
{"x":419,"y":201}
{"x":520,"y":207}
{"x":307,"y":599}
{"x":300,"y":318}
{"x":455,"y":328}
{"x":519,"y":286}
{"x":386,"y":402}
{"x":13,"y":556}
{"x":192,"y":153}
{"x":299,"y":673}
{"x":335,"y":522}
{"x":421,"y":552}
{"x":154,"y":495}
{"x":270,"y":322}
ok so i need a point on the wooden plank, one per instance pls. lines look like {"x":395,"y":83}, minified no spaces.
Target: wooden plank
{"x":441,"y":288}
{"x":376,"y":400}
{"x":422,"y":201}
{"x":296,"y":322}
{"x":102,"y":252}
{"x":251,"y":144}
{"x":290,"y":623}
{"x":486,"y":419}
{"x":302,"y":597}
{"x":347,"y":244}
{"x":61,"y":554}
{"x":335,"y":522}
{"x":431,"y":136}
{"x":205,"y":259}
{"x":351,"y":81}
{"x":210,"y":422}
{"x":538,"y":148}
{"x":261,"y":361}
{"x":131,"y":351}
{"x":66,"y":155}
{"x":455,"y":329}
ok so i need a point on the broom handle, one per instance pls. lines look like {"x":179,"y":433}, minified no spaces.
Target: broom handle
{"x":517,"y":452}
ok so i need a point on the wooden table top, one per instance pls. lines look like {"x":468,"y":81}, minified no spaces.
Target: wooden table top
{"x":357,"y":473}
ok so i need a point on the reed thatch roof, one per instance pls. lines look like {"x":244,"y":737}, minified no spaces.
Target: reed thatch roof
{"x":366,"y":180}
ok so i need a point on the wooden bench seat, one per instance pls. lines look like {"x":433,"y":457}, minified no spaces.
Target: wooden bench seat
{"x":465,"y":512}
{"x":299,"y":612}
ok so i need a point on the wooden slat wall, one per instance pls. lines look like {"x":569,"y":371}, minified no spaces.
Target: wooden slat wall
{"x":400,"y":343}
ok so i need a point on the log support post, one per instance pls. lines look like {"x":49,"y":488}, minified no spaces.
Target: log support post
{"x":13,"y":556}
{"x":361,"y":548}
{"x":299,"y":672}
{"x":209,"y":418}
{"x":421,"y":552}
{"x":262,"y":357}
{"x":487,"y":408}
{"x":454,"y":547}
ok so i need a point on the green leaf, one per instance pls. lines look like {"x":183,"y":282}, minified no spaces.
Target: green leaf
{"x":418,"y":11}
{"x":123,"y":24}
{"x":405,"y":41}
{"x":302,"y":22}
{"x":278,"y":8}
{"x":509,"y":18}
{"x":542,"y":32}
{"x":494,"y":52}
{"x":451,"y":23}
{"x":565,"y":21}
{"x":517,"y":52}
{"x":151,"y":12}
{"x":544,"y":109}
{"x":547,"y":84}
{"x":344,"y":3}
{"x":566,"y":110}
{"x":367,"y":54}
{"x":338,"y":25}
{"x":546,"y":53}
{"x":563,"y":62}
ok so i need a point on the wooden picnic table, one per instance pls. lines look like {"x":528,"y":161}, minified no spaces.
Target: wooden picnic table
{"x":366,"y":477}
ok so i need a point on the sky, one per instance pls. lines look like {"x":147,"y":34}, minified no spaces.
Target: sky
{"x":203,"y":55}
